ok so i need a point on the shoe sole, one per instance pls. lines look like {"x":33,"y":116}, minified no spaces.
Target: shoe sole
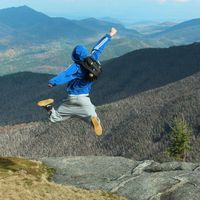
{"x":45,"y":102}
{"x":97,"y":126}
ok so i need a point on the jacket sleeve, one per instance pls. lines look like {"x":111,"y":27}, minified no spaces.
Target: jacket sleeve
{"x":65,"y":76}
{"x":99,"y":47}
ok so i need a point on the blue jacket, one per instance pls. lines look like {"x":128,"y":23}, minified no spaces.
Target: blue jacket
{"x":74,"y":75}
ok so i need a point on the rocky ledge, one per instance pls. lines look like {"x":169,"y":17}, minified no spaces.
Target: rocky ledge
{"x":136,"y":180}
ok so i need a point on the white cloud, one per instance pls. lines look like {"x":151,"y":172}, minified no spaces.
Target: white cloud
{"x":173,"y":1}
{"x":181,"y":1}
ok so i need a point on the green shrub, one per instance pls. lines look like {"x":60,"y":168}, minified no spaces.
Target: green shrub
{"x":179,"y":138}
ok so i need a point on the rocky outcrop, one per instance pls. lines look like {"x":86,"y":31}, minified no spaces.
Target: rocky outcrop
{"x":22,"y":179}
{"x":136,"y":180}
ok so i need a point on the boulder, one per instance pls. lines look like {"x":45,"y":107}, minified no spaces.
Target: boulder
{"x":136,"y":180}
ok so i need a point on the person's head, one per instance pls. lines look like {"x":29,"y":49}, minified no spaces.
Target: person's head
{"x":79,"y":53}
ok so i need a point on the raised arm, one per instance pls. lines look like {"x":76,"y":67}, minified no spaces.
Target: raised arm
{"x":102,"y":43}
{"x":64,"y":77}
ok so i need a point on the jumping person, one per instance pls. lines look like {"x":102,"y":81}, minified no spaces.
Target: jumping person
{"x":79,"y":81}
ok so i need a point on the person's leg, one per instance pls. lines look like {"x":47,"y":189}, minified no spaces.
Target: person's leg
{"x":86,"y":110}
{"x":54,"y":115}
{"x":67,"y":109}
{"x":71,"y":107}
{"x":74,"y":106}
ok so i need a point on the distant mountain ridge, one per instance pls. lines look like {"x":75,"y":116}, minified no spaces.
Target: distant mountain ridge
{"x":44,"y":44}
{"x":21,"y":17}
{"x":24,"y":25}
{"x":110,"y":19}
{"x":185,"y":24}
{"x":187,"y":31}
{"x":38,"y":27}
{"x":149,"y":27}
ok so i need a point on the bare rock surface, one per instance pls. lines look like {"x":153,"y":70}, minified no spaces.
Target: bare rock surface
{"x":136,"y":180}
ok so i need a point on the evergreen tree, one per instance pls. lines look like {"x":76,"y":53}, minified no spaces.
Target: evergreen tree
{"x":179,"y":138}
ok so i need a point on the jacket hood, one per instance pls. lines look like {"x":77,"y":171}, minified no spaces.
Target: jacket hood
{"x":79,"y":53}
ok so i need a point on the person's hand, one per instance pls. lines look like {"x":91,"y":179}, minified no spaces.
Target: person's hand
{"x":50,"y":85}
{"x":113,"y":31}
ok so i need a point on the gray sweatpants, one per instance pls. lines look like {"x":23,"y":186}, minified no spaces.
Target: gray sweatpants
{"x":74,"y":106}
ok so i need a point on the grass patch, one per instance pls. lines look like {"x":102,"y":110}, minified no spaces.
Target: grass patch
{"x":11,"y":165}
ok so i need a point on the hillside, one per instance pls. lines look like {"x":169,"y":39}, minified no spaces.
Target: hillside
{"x":43,"y":44}
{"x":185,"y":32}
{"x":27,"y":26}
{"x":20,"y":92}
{"x":145,"y":69}
{"x":139,"y":125}
{"x":122,"y":77}
{"x":22,"y":179}
{"x":151,"y":27}
{"x":52,"y":56}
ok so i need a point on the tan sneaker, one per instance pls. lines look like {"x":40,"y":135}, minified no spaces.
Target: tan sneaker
{"x":45,"y":102}
{"x":96,"y":125}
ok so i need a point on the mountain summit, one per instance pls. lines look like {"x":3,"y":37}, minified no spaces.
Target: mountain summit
{"x":21,"y":17}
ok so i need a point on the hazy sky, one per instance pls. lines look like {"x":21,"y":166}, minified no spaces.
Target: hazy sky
{"x":133,"y":10}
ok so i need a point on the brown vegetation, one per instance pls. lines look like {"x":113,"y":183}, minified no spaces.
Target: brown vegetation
{"x":22,"y":179}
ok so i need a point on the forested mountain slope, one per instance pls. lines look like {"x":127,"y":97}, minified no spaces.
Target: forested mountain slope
{"x":136,"y":127}
{"x":122,"y":77}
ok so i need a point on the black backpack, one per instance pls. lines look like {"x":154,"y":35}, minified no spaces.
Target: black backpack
{"x":92,"y":66}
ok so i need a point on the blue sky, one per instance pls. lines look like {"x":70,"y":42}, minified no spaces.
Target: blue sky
{"x":127,"y":10}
